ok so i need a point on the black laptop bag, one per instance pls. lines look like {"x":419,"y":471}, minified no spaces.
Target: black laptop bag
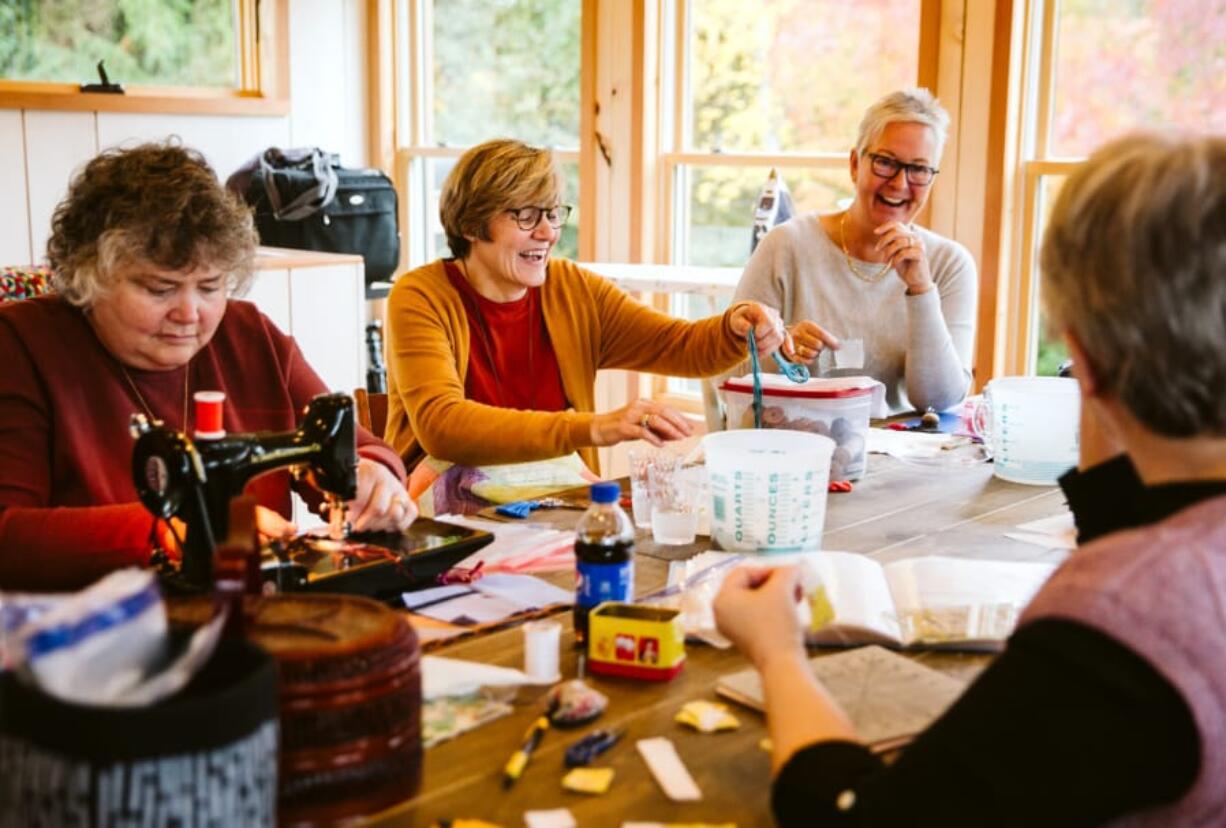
{"x":305,"y":200}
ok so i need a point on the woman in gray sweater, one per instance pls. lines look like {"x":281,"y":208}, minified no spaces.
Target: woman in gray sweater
{"x":869,"y":274}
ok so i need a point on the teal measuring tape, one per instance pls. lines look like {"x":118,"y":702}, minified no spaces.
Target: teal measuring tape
{"x":794,"y":371}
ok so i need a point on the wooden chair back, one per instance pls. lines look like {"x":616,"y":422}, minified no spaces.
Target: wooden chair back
{"x":371,"y":410}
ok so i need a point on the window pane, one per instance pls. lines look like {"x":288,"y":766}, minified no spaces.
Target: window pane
{"x":795,"y":75}
{"x":506,"y":68}
{"x":1051,"y":348}
{"x":436,"y":239}
{"x":1120,"y":65}
{"x":721,"y":207}
{"x":168,"y":44}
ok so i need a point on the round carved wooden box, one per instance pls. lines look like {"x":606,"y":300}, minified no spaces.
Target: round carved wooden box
{"x":350,"y":695}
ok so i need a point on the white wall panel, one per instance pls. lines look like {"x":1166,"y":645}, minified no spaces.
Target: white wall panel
{"x":57,"y":143}
{"x":14,"y":205}
{"x":353,"y":107}
{"x":320,"y":87}
{"x":227,"y":141}
{"x":327,"y":307}
{"x":270,"y":292}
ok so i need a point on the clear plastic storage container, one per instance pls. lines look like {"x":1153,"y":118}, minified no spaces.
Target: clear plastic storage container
{"x":836,"y":408}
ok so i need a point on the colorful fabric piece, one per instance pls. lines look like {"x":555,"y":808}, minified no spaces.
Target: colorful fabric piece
{"x":24,"y":282}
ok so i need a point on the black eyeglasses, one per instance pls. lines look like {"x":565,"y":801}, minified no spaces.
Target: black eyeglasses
{"x":887,"y":166}
{"x":529,"y":217}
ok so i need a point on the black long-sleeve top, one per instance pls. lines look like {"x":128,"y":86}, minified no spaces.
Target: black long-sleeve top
{"x":1067,"y":727}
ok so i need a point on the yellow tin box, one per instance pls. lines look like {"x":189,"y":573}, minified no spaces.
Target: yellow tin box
{"x":635,"y":641}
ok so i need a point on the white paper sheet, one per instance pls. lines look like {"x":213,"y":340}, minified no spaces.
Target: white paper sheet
{"x":454,"y":677}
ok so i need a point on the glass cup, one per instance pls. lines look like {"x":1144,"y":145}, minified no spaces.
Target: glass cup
{"x":676,"y":498}
{"x":641,"y":459}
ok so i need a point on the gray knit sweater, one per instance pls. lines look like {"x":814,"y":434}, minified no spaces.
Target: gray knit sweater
{"x":919,"y":347}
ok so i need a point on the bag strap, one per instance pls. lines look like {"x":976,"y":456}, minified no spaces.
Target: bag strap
{"x":309,"y":201}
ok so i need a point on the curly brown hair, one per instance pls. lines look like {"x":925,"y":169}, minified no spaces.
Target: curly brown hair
{"x":157,"y":203}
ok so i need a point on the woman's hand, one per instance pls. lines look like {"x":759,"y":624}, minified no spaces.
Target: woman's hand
{"x":641,"y":420}
{"x":272,"y":526}
{"x":382,"y":504}
{"x":808,"y":340}
{"x":905,"y":251}
{"x":756,"y":610}
{"x":767,"y":326}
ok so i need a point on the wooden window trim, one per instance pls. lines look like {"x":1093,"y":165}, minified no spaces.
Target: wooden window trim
{"x":263,"y":33}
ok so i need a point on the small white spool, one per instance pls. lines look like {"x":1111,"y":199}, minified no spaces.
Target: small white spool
{"x":541,"y":651}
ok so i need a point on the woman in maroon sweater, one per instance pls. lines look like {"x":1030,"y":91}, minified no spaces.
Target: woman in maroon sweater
{"x":146,"y":248}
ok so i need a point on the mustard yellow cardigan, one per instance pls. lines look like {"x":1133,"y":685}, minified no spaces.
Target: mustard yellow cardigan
{"x":592,"y":324}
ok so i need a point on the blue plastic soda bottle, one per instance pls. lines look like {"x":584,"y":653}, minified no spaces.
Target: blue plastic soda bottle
{"x":604,"y":555}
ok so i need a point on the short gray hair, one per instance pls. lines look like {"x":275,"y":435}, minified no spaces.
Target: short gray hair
{"x":1134,"y":266}
{"x":914,"y":105}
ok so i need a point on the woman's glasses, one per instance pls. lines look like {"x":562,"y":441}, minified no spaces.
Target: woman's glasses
{"x":887,"y":166}
{"x":529,"y":217}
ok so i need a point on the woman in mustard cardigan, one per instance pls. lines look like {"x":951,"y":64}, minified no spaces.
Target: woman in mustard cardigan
{"x":494,"y":353}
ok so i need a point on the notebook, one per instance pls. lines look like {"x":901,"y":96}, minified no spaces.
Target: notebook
{"x":888,"y":697}
{"x":924,"y":602}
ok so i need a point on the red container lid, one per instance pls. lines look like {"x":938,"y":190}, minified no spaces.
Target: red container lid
{"x":777,"y":385}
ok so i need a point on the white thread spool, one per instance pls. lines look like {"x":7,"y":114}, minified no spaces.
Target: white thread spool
{"x":541,"y":651}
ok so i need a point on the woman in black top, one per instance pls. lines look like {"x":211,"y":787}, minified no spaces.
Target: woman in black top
{"x":1068,"y":726}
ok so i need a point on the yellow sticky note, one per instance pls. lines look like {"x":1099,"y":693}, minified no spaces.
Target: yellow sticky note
{"x":588,"y":780}
{"x":707,"y":717}
{"x":820,"y":609}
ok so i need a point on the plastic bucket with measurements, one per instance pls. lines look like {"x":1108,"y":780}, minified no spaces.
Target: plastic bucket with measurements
{"x":768,"y":488}
{"x":1031,"y":425}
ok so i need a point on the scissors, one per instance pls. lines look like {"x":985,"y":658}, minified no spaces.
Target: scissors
{"x":794,"y":371}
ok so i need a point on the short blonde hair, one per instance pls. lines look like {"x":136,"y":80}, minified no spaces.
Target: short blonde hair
{"x":1134,"y":266}
{"x":498,"y":175}
{"x":914,"y":105}
{"x":158,"y":203}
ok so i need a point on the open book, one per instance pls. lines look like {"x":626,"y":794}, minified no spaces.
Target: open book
{"x":888,"y":697}
{"x":924,"y":602}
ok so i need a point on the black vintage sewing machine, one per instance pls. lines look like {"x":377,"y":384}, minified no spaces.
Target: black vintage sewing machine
{"x":194,"y":481}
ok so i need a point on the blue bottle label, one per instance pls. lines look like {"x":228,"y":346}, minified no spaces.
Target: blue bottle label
{"x":597,"y":583}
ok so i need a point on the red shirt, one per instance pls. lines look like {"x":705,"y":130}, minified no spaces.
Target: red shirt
{"x":68,"y":510}
{"x":511,"y":362}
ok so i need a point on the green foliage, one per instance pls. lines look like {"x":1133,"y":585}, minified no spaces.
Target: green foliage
{"x":162,"y":42}
{"x":783,"y":76}
{"x":1052,"y":352}
{"x":506,"y":68}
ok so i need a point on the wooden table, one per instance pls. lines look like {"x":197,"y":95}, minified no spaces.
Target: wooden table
{"x":898,"y":510}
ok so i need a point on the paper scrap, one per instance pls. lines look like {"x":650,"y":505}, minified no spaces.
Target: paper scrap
{"x":909,"y":445}
{"x":707,"y":717}
{"x":449,"y":716}
{"x":492,"y":598}
{"x":670,"y":772}
{"x":1057,"y":532}
{"x":588,"y":780}
{"x":518,"y":548}
{"x":455,"y":677}
{"x":554,"y":818}
{"x":849,"y":354}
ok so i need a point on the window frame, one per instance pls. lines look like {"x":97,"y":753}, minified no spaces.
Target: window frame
{"x":676,"y":158}
{"x":403,"y":122}
{"x":1036,"y":165}
{"x":263,"y":48}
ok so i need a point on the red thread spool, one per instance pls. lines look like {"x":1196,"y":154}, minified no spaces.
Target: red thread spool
{"x":208,"y":415}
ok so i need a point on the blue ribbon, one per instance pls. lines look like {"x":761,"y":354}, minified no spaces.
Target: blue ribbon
{"x":796,"y":372}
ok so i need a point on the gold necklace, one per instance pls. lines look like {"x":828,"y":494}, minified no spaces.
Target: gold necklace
{"x":871,"y":278}
{"x":140,"y":398}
